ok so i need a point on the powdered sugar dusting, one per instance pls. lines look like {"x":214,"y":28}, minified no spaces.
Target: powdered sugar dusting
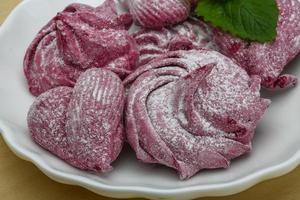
{"x":158,"y":13}
{"x":156,"y":112}
{"x":83,"y":126}
{"x":78,"y":38}
{"x":44,"y":68}
{"x":46,"y":119}
{"x":93,"y":119}
{"x":88,"y":41}
{"x":191,"y":34}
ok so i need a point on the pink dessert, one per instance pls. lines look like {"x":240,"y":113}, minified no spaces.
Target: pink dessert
{"x":192,"y":110}
{"x":83,"y":126}
{"x":96,"y":39}
{"x":158,"y":13}
{"x":78,"y":38}
{"x":44,"y":67}
{"x":103,"y":16}
{"x":46,"y":121}
{"x":94,"y":119}
{"x":268,"y":60}
{"x":191,"y":34}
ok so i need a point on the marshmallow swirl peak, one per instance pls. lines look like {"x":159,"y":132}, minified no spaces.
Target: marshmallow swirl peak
{"x":192,"y":110}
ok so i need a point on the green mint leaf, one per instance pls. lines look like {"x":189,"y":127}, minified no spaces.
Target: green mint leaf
{"x":254,"y":20}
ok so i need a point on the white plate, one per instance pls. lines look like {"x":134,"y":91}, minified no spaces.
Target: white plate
{"x":276,"y":148}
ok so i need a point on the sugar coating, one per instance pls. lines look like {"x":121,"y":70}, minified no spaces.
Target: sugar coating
{"x":83,"y":126}
{"x":103,"y":16}
{"x":192,"y":110}
{"x":44,"y":67}
{"x":191,"y":34}
{"x":268,"y":60}
{"x":159,"y":13}
{"x":78,"y":38}
{"x":46,"y":121}
{"x":94,"y":119}
{"x":95,"y":39}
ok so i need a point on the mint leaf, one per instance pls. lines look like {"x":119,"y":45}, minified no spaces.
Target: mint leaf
{"x":254,"y":20}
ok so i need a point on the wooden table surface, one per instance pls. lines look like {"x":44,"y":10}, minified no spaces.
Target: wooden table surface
{"x":22,"y":180}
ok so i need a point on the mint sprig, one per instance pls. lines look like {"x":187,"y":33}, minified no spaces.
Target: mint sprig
{"x":254,"y":20}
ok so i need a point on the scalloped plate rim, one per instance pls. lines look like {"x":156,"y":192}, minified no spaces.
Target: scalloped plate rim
{"x":138,"y":191}
{"x":229,"y":188}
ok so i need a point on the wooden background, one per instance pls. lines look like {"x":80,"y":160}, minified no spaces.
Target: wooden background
{"x":22,"y":180}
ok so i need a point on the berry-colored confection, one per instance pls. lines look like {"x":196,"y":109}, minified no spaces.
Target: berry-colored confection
{"x":159,"y":13}
{"x":192,"y":110}
{"x":46,"y":121}
{"x":88,"y":45}
{"x":44,"y":67}
{"x":94,"y":120}
{"x":191,"y":34}
{"x":57,"y":57}
{"x":268,"y":60}
{"x":82,"y":126}
{"x":103,"y":16}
